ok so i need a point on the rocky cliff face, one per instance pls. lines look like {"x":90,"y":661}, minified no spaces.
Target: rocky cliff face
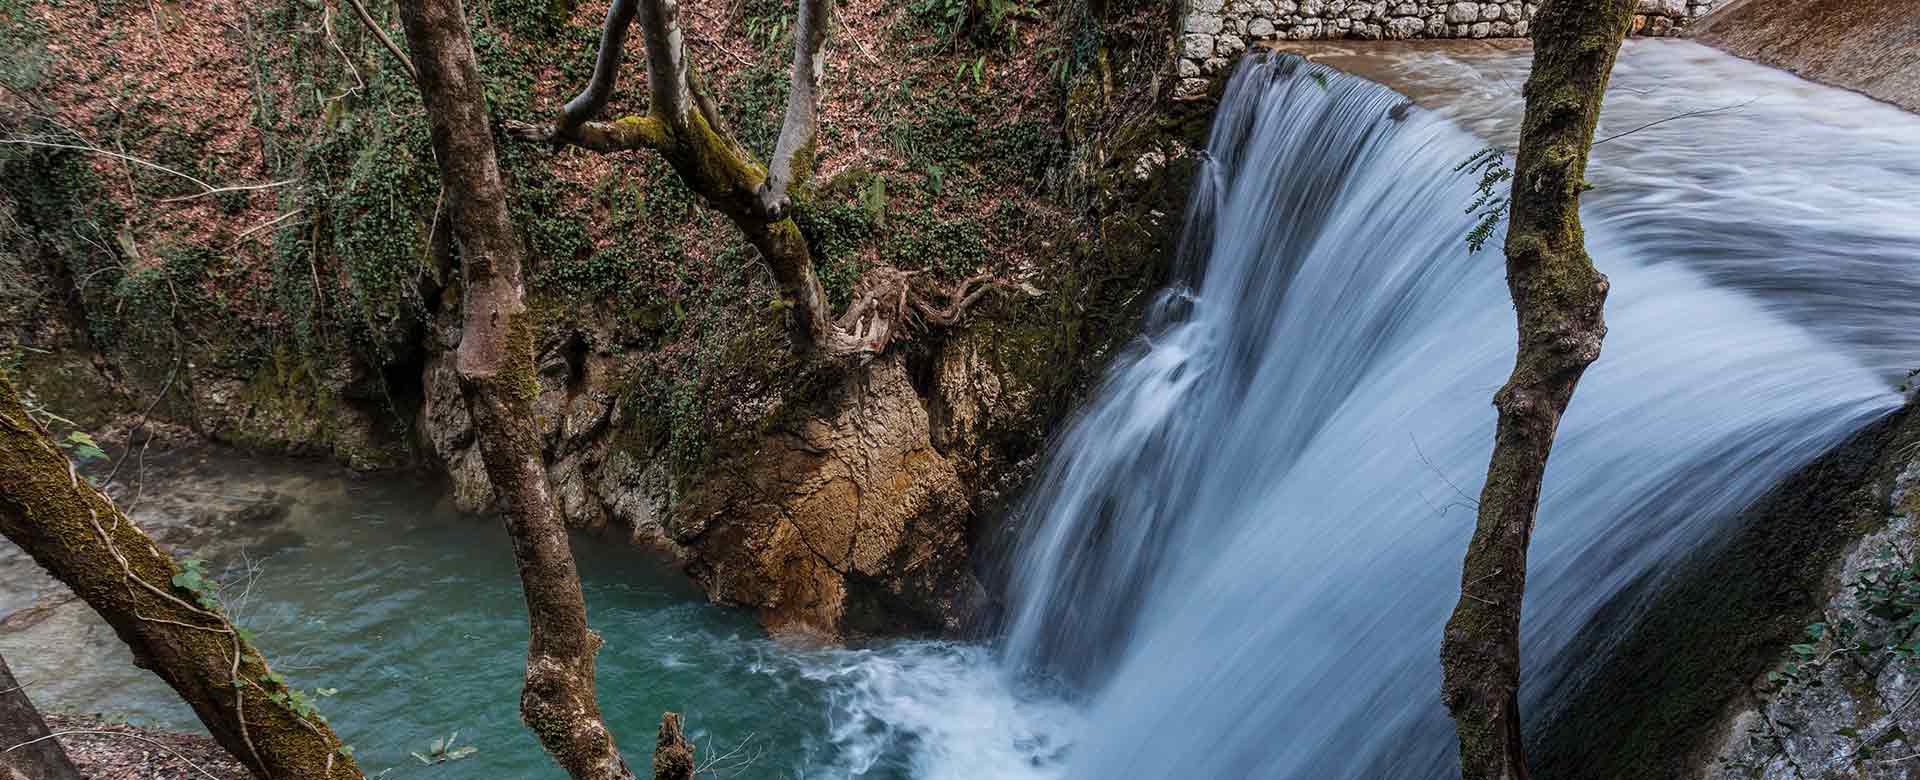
{"x":1839,"y":701}
{"x":860,"y":500}
{"x":1767,"y":655}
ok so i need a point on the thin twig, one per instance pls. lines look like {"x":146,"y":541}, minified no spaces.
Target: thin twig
{"x":269,"y":223}
{"x":206,"y":189}
{"x":234,"y":188}
{"x":1701,"y":112}
{"x":1443,"y":477}
{"x":374,"y":27}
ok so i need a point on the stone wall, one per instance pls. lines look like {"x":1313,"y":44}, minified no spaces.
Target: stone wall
{"x":1216,"y":32}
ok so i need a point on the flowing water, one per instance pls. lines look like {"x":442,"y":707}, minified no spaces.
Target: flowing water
{"x":1237,"y":559}
{"x":1245,"y":550}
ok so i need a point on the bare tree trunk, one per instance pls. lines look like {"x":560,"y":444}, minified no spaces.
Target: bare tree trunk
{"x":74,"y":532}
{"x":1558,"y":296}
{"x":495,"y":364}
{"x":27,"y":751}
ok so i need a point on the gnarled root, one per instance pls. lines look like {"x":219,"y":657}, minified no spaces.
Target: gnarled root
{"x":891,"y":305}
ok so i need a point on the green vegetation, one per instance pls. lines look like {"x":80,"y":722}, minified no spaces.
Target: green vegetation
{"x":319,"y":298}
{"x":1887,"y":592}
{"x":1490,"y":200}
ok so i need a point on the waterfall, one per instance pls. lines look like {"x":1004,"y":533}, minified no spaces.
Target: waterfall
{"x":1242,"y":552}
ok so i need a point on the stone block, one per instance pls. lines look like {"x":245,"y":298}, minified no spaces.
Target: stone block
{"x":1404,"y":27}
{"x":1204,"y":23}
{"x":1229,"y":45}
{"x":1462,"y":13}
{"x":1260,"y":28}
{"x":1481,"y":29}
{"x":1196,"y":45}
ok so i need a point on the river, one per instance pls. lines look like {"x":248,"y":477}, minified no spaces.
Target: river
{"x":1237,"y":558}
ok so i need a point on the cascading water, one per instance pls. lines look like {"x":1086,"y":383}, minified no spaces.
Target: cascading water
{"x":1239,"y":558}
{"x":1244,"y":550}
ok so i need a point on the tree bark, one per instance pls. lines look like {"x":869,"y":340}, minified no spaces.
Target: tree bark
{"x":1558,"y":296}
{"x":495,"y":363}
{"x":74,"y":532}
{"x":672,"y":753}
{"x":26,"y":750}
{"x":682,"y":125}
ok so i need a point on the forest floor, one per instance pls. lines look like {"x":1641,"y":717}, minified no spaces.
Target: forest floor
{"x":116,"y":751}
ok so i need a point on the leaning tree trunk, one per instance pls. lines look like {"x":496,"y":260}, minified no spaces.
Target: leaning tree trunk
{"x":177,"y":631}
{"x":27,"y":749}
{"x":495,"y":365}
{"x":1558,"y":296}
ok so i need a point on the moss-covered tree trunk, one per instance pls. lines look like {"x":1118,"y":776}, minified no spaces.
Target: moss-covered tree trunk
{"x":495,"y":365}
{"x":1558,"y":296}
{"x":175,"y":631}
{"x":27,"y":751}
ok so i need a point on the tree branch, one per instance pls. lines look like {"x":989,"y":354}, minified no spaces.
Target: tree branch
{"x":793,"y":155}
{"x":666,"y":60}
{"x":374,"y":27}
{"x":606,"y":70}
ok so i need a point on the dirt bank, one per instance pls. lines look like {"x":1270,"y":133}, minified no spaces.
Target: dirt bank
{"x":117,"y":751}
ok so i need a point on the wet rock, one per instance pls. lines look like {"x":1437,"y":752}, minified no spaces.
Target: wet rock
{"x":263,"y":511}
{"x":852,"y":524}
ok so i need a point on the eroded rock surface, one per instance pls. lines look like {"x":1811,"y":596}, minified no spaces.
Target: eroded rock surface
{"x":1870,"y":46}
